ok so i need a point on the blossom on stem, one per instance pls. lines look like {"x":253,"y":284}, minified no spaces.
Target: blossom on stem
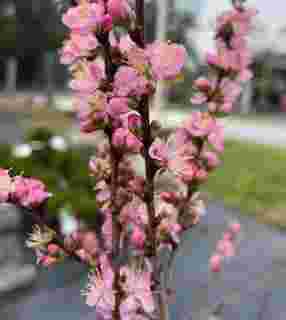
{"x":85,"y":17}
{"x":99,"y":291}
{"x":29,"y":192}
{"x":137,"y":287}
{"x":79,"y":45}
{"x":129,"y":82}
{"x":167,"y":60}
{"x":119,"y":10}
{"x":87,"y":78}
{"x":126,"y":141}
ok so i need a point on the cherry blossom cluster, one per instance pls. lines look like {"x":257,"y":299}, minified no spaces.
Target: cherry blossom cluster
{"x":114,"y":77}
{"x":225,"y":247}
{"x":50,"y":249}
{"x":25,"y":192}
{"x":229,"y":64}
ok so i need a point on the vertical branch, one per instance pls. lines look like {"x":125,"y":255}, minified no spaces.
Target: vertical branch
{"x":144,"y":109}
{"x":138,"y":37}
{"x":110,"y":70}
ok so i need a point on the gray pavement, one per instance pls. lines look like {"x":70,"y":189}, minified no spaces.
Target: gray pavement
{"x":252,"y":286}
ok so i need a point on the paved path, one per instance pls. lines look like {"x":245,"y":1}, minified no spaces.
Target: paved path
{"x":253,"y":285}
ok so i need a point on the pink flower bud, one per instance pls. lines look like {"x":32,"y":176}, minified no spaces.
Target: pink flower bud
{"x":227,"y":236}
{"x":201,"y":175}
{"x":89,"y":242}
{"x":235,"y":228}
{"x":133,"y":143}
{"x":107,"y":22}
{"x":53,"y":249}
{"x":118,"y":9}
{"x":138,"y":238}
{"x":118,"y":137}
{"x":202,"y":83}
{"x":215,"y":263}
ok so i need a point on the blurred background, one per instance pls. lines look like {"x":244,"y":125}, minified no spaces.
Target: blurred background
{"x":39,"y":135}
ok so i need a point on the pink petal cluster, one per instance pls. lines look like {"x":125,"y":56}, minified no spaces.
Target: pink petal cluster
{"x":29,"y":192}
{"x":84,"y":17}
{"x":167,"y":60}
{"x":79,"y":45}
{"x":26,"y":192}
{"x":129,"y":82}
{"x":87,"y":78}
{"x":126,"y":141}
{"x":225,"y":247}
{"x":119,"y":10}
{"x":136,"y":286}
{"x":99,"y":291}
{"x":231,"y":62}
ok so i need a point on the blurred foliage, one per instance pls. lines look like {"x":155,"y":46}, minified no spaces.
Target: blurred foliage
{"x":64,"y":172}
{"x":8,"y":30}
{"x":179,"y":92}
{"x":253,"y":179}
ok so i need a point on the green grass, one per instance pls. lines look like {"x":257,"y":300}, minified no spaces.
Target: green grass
{"x":252,"y":178}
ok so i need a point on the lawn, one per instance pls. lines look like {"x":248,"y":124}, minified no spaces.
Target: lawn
{"x":253,"y":178}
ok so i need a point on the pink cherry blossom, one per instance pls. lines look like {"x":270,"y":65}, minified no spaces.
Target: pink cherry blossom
{"x":129,"y":82}
{"x":107,"y":231}
{"x":235,"y":228}
{"x":123,"y":139}
{"x":215,"y":263}
{"x":90,"y":243}
{"x":138,"y":237}
{"x":159,"y":151}
{"x":137,"y":58}
{"x":118,"y":9}
{"x":125,"y":44}
{"x":78,"y":45}
{"x":211,"y":158}
{"x":240,"y":20}
{"x":199,"y":124}
{"x":137,"y":285}
{"x":132,"y":120}
{"x":99,"y":291}
{"x":84,"y":17}
{"x":29,"y":192}
{"x":134,"y":212}
{"x":167,"y":60}
{"x":117,"y":106}
{"x":225,"y":248}
{"x":216,"y":137}
{"x":88,"y":78}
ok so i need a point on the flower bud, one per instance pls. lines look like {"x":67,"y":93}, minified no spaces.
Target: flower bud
{"x":215,"y":263}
